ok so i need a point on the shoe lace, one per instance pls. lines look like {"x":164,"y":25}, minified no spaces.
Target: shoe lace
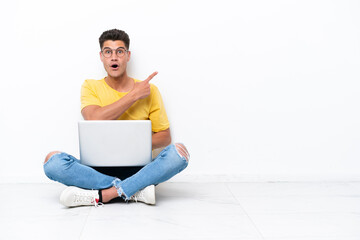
{"x":97,"y":203}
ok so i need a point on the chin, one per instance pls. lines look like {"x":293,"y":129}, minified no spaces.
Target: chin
{"x":115,"y":75}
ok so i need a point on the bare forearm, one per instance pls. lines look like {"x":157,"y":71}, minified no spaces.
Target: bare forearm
{"x":112,"y":111}
{"x":115,"y":110}
{"x":161,"y":139}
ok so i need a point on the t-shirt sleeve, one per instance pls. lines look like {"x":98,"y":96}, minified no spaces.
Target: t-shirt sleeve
{"x":88,"y":95}
{"x":157,"y":115}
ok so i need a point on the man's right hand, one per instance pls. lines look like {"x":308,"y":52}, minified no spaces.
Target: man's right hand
{"x":115,"y":110}
{"x":142,"y":89}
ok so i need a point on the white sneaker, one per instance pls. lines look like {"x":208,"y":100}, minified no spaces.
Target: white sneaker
{"x":146,"y":195}
{"x":74,"y":196}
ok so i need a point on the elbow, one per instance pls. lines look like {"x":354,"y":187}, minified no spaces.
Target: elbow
{"x":168,"y":140}
{"x":90,"y":118}
{"x":92,"y":112}
{"x":93,"y":116}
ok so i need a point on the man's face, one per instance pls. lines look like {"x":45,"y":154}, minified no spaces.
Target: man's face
{"x":114,"y":64}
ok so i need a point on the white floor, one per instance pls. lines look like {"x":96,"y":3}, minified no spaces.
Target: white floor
{"x":189,"y":211}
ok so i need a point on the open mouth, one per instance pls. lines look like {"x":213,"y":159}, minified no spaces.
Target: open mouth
{"x":114,"y":66}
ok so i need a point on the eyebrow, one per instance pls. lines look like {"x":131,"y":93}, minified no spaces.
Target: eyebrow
{"x":114,"y":49}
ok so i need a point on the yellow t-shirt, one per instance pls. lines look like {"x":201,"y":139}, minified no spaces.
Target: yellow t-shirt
{"x":98,"y":92}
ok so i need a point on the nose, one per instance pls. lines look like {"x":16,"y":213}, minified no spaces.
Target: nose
{"x":114,"y":57}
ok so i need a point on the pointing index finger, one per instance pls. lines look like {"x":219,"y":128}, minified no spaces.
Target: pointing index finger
{"x":151,"y":76}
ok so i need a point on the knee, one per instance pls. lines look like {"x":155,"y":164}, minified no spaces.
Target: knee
{"x":50,"y":154}
{"x":182,"y":151}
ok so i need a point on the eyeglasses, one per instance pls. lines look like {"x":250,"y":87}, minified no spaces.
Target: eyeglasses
{"x":107,"y":52}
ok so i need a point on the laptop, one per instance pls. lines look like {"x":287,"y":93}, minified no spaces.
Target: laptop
{"x":110,"y":143}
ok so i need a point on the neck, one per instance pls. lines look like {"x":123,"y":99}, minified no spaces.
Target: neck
{"x":122,"y":83}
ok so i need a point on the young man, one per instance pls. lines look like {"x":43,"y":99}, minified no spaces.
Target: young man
{"x":118,"y":97}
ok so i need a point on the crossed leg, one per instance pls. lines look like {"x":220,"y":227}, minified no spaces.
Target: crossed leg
{"x":112,"y":192}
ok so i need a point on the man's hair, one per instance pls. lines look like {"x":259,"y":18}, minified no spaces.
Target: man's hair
{"x":115,"y":34}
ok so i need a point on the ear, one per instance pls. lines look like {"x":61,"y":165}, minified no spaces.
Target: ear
{"x":101,"y":56}
{"x":129,"y":55}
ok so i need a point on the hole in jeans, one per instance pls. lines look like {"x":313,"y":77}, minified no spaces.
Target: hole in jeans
{"x":50,"y":155}
{"x":182,"y":151}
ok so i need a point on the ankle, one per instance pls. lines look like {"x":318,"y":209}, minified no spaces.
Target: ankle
{"x":108,"y":194}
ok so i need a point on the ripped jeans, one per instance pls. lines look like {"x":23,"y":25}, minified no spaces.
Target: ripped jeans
{"x":66,"y":169}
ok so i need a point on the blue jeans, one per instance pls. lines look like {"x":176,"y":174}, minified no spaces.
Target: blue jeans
{"x":68,"y":170}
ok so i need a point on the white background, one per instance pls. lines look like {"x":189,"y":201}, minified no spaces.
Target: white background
{"x":257,"y":90}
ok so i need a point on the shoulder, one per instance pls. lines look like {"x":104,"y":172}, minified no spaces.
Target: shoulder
{"x":92,"y":85}
{"x":93,"y":82}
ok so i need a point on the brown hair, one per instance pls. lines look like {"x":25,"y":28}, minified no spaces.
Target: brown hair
{"x":115,"y":34}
